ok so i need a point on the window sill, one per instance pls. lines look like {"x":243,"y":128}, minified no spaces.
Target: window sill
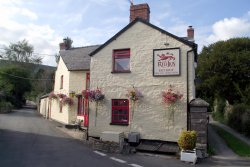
{"x":120,"y":124}
{"x":114,"y":72}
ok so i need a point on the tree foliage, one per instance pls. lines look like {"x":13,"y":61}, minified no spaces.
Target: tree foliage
{"x":14,"y":84}
{"x":224,"y":68}
{"x":68,"y":42}
{"x":21,"y":51}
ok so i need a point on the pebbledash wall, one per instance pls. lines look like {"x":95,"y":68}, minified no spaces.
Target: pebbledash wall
{"x":149,"y":115}
{"x":72,"y":81}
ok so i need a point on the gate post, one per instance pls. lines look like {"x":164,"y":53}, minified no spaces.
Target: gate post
{"x":198,"y":121}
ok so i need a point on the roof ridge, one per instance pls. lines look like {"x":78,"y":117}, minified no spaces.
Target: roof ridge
{"x":88,"y":46}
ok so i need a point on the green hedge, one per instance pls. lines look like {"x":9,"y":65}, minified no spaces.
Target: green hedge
{"x":239,"y":118}
{"x":5,"y":106}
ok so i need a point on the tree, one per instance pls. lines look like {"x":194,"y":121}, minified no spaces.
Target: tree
{"x":68,"y":42}
{"x":57,"y":58}
{"x":224,"y":68}
{"x":21,"y":51}
{"x":14,"y":83}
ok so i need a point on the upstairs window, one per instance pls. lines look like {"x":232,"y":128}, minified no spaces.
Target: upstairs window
{"x":121,"y":60}
{"x":61,"y":83}
{"x":120,"y":111}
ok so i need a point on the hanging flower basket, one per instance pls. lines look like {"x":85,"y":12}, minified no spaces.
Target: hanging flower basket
{"x":67,"y":101}
{"x":85,"y":94}
{"x":61,"y":95}
{"x":52,"y":95}
{"x":170,"y":98}
{"x":96,"y":96}
{"x":134,"y":94}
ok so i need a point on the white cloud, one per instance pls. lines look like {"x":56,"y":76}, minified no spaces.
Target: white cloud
{"x":230,"y":28}
{"x":27,"y":13}
{"x":13,"y":10}
{"x":12,"y":29}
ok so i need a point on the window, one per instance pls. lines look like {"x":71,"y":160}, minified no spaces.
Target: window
{"x":121,"y":60}
{"x":61,"y":83}
{"x":80,"y":110}
{"x":120,"y":111}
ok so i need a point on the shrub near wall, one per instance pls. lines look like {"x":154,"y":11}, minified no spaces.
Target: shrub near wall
{"x":5,"y":107}
{"x":239,"y":118}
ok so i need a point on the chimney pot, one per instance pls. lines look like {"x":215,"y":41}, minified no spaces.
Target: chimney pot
{"x":190,"y":33}
{"x":139,"y":11}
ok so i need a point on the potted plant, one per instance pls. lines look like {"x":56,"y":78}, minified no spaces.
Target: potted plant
{"x":187,"y":143}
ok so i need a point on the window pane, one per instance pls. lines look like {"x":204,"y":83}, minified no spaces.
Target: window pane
{"x":116,"y":111}
{"x":122,"y":64}
{"x":120,"y":102}
{"x":116,"y":118}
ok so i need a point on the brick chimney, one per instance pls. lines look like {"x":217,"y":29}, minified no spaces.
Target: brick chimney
{"x":62,"y":46}
{"x":139,"y":11}
{"x":190,"y":33}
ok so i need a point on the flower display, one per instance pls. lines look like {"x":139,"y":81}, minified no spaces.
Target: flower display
{"x":52,"y":95}
{"x":61,"y":95}
{"x":170,"y":97}
{"x":67,"y":100}
{"x":85,"y":94}
{"x":134,"y":94}
{"x":95,"y":95}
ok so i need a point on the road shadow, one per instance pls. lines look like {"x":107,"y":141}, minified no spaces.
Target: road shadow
{"x":27,"y":149}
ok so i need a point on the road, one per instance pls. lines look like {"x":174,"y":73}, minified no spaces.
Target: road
{"x":28,"y":140}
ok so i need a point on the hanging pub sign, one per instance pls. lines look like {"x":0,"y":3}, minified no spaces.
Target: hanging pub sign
{"x":166,"y":62}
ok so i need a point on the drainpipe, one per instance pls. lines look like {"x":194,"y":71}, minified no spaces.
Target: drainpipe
{"x":189,"y":51}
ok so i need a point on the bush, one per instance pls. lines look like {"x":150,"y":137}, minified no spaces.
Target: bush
{"x":219,"y":107}
{"x":187,"y":140}
{"x":5,"y":106}
{"x":239,"y":118}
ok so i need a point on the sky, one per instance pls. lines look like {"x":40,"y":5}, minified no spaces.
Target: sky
{"x":88,"y":22}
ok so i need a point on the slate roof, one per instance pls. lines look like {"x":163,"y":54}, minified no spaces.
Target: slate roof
{"x":78,"y":59}
{"x":189,"y":43}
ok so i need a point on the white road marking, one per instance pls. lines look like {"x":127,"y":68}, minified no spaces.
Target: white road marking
{"x":118,"y":160}
{"x":135,"y":165}
{"x":100,"y":153}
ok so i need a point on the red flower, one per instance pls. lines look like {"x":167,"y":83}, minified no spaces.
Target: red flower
{"x":170,"y":97}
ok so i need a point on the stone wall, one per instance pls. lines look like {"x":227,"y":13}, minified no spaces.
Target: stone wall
{"x":106,"y":146}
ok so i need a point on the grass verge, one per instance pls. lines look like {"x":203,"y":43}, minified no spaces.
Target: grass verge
{"x":238,"y":146}
{"x":210,"y":150}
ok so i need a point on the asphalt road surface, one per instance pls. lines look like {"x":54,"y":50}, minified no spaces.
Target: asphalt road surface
{"x":28,"y":140}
